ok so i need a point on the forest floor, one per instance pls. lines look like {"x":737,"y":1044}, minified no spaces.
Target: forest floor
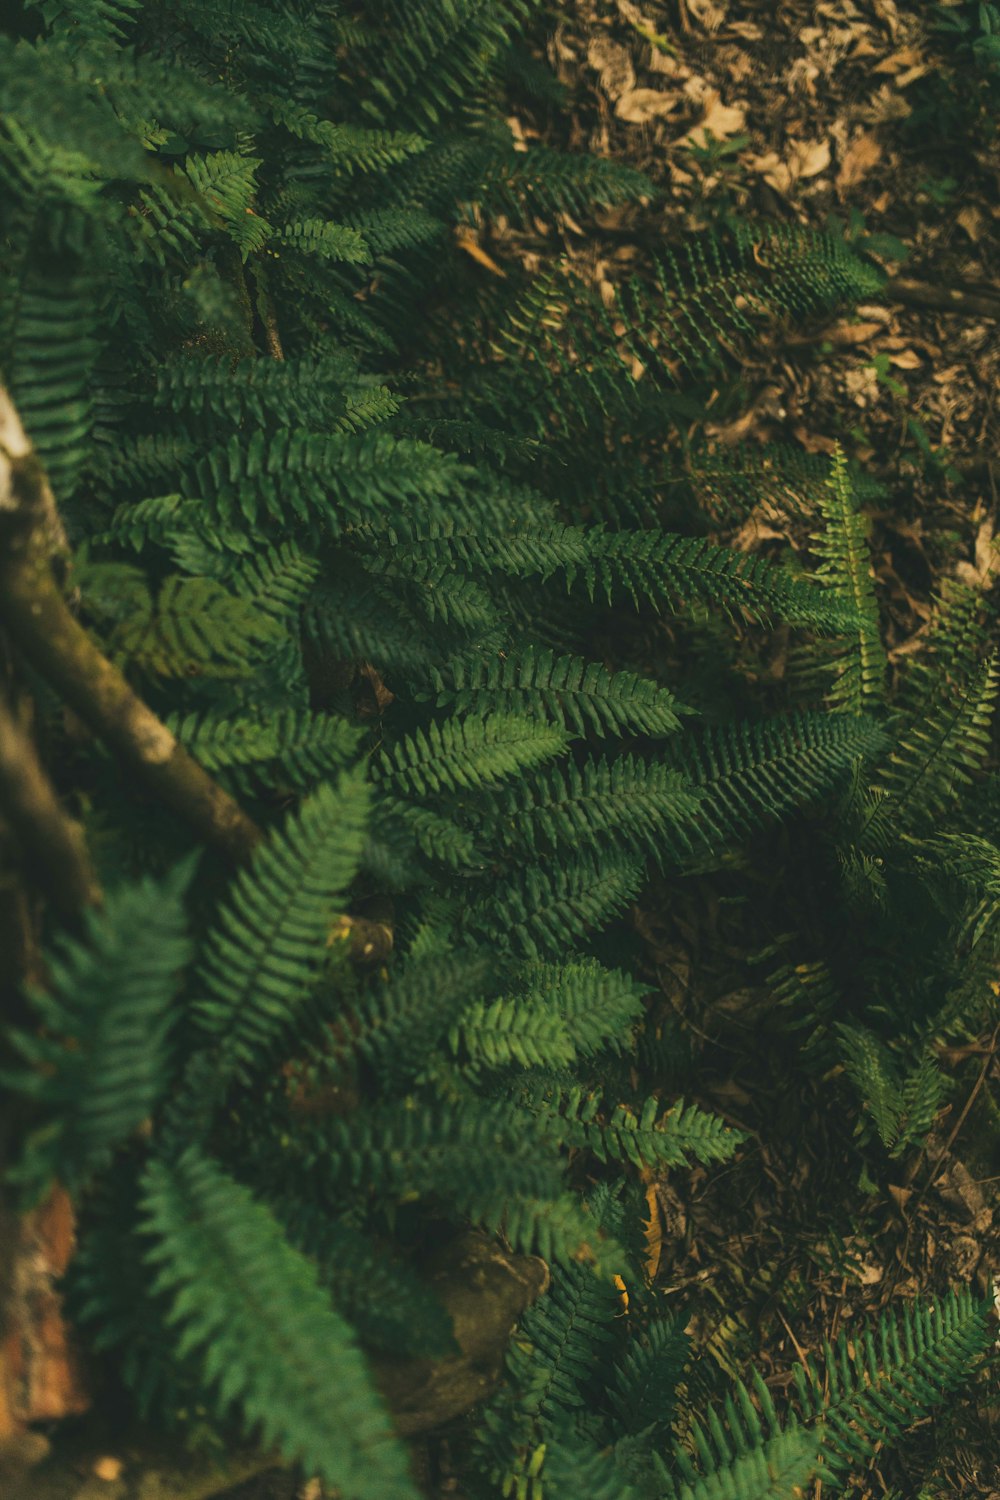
{"x":852,"y":114}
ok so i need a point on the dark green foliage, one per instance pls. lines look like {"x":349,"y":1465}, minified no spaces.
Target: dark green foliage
{"x":351,"y":516}
{"x":98,"y":1069}
{"x":293,"y":1366}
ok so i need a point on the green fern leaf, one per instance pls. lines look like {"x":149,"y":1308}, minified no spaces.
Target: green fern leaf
{"x":584,"y":695}
{"x":267,"y":947}
{"x":102,"y":1062}
{"x":267,"y":1334}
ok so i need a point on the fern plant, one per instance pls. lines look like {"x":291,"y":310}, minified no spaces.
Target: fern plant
{"x":377,"y":628}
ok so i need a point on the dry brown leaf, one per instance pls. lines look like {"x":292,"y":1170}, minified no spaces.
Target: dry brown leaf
{"x":471,"y":246}
{"x":899,"y":61}
{"x":721,"y":119}
{"x":888,"y":14}
{"x":809,"y":158}
{"x":971,"y":221}
{"x":814,"y":442}
{"x":637,"y":106}
{"x":707,"y":13}
{"x":853,"y":333}
{"x":906,"y":359}
{"x":108,"y":1469}
{"x":613,"y":64}
{"x":862,"y":154}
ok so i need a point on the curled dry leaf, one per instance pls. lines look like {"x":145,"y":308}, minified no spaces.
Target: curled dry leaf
{"x":862,"y":154}
{"x":638,"y":106}
{"x":612,"y":63}
{"x":721,"y":119}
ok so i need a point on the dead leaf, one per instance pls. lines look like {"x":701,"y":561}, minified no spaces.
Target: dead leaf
{"x":903,"y":80}
{"x":888,"y":14}
{"x":721,"y":119}
{"x":906,"y":359}
{"x":108,"y":1469}
{"x":971,"y":221}
{"x":809,"y":158}
{"x":637,"y":106}
{"x":468,"y":242}
{"x":862,"y":154}
{"x":814,"y":442}
{"x":899,"y":61}
{"x":614,"y":65}
{"x":852,"y":333}
{"x":804,"y":159}
{"x":707,"y":13}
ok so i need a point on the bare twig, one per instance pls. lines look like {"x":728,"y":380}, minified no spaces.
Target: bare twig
{"x":41,"y":624}
{"x":52,"y":845}
{"x":967,"y":301}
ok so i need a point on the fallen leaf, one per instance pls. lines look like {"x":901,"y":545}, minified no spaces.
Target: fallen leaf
{"x":707,"y":13}
{"x":470,"y":245}
{"x":108,"y":1469}
{"x":903,"y":80}
{"x":809,"y":158}
{"x":862,"y":154}
{"x":971,"y":221}
{"x":906,"y":359}
{"x":613,"y":64}
{"x":887,"y":13}
{"x":899,"y":61}
{"x":814,"y":442}
{"x":721,"y":119}
{"x":637,"y":106}
{"x":853,"y":333}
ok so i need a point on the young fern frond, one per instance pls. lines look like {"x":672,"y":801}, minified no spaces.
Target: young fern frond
{"x":267,"y":1335}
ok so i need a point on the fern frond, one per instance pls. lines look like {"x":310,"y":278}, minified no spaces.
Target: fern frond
{"x":846,"y":570}
{"x":652,"y":1137}
{"x":633,"y":801}
{"x":102,"y":1061}
{"x":268,"y":944}
{"x":305,"y":746}
{"x":584,"y":695}
{"x":465,"y":752}
{"x":267,"y":1335}
{"x":871,"y":1387}
{"x":643,"y":1385}
{"x":546,"y":907}
{"x":657,"y":567}
{"x":936,"y":755}
{"x":748,"y":773}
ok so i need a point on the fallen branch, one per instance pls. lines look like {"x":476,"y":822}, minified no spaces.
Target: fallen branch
{"x":967,"y":301}
{"x":43,"y":627}
{"x":51,"y":844}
